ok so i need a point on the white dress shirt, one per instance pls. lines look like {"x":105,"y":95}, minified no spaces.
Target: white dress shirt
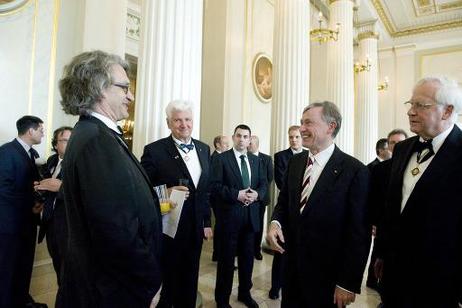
{"x":108,"y":122}
{"x":409,"y":181}
{"x":191,"y":160}
{"x":238,"y":154}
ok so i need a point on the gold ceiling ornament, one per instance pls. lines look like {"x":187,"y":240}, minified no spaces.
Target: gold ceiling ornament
{"x":368,"y":34}
{"x":391,"y":29}
{"x":363,"y":67}
{"x":323,"y":35}
{"x":332,"y":1}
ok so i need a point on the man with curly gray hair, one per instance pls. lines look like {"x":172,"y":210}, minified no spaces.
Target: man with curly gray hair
{"x":112,"y":212}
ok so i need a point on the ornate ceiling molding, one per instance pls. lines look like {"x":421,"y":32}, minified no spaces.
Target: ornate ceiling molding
{"x":416,"y":30}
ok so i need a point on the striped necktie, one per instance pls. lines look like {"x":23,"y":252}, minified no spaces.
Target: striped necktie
{"x":306,"y":182}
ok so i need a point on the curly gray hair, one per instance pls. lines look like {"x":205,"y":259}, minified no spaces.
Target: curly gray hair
{"x":84,"y":78}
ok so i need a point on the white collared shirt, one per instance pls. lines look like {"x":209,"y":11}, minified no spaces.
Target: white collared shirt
{"x":319,"y":162}
{"x":191,"y":160}
{"x":409,"y":181}
{"x":238,"y":154}
{"x":24,"y":145}
{"x":108,"y":122}
{"x":296,"y":151}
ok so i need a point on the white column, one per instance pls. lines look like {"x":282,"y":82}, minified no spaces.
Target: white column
{"x":367,"y":99}
{"x":104,"y":26}
{"x":169,"y":66}
{"x":291,"y":67}
{"x":340,"y":79}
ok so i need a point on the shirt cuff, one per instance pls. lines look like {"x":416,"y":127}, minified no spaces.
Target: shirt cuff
{"x":344,"y":289}
{"x":277,"y":223}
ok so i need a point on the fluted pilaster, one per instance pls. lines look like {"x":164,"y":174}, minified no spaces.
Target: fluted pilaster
{"x":340,"y":79}
{"x":367,"y":99}
{"x":169,"y":66}
{"x":291,"y":68}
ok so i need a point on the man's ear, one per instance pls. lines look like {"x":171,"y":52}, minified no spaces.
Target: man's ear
{"x":448,"y":110}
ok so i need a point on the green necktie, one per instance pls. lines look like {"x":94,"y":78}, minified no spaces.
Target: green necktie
{"x":244,"y":172}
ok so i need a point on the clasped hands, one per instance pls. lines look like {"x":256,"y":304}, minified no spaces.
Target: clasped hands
{"x":247,"y":196}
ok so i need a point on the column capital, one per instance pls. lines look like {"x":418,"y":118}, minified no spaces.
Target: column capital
{"x":368,"y":34}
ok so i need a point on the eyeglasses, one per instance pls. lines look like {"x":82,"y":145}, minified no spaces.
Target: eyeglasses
{"x":63,"y":140}
{"x":124,"y":87}
{"x":418,"y":105}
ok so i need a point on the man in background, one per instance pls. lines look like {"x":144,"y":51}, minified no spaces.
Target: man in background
{"x":382,"y":151}
{"x":239,"y":184}
{"x":19,"y":209}
{"x":53,"y":222}
{"x":221,"y":144}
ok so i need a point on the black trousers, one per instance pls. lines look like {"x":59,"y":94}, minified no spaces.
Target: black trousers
{"x":238,"y":242}
{"x":56,"y":236}
{"x":16,"y":262}
{"x":180,"y":267}
{"x":276,"y":272}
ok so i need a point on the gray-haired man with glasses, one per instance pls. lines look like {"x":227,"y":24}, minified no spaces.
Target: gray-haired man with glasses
{"x":421,"y":236}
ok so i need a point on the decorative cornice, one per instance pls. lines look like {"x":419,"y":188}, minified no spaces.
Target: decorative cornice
{"x":368,"y":34}
{"x":417,"y":30}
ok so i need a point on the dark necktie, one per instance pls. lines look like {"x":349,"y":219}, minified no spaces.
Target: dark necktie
{"x":33,"y":155}
{"x":424,"y":150}
{"x":244,"y":172}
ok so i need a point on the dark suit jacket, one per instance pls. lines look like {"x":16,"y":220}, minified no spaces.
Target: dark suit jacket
{"x":113,"y":217}
{"x":281,"y":161}
{"x":214,"y":153}
{"x":423,"y":244}
{"x":328,"y":243}
{"x":373,"y":163}
{"x":380,"y":177}
{"x":17,"y":176}
{"x":164,"y":165}
{"x":52,"y":197}
{"x":226,"y":183}
{"x":267,"y":164}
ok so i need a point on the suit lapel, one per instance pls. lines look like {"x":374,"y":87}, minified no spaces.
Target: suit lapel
{"x":446,"y":157}
{"x":203,"y":160}
{"x":326,"y":179}
{"x":234,"y":166}
{"x":254,"y":169}
{"x":27,"y":158}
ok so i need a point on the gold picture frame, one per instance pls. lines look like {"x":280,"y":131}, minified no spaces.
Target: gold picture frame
{"x":262,"y":77}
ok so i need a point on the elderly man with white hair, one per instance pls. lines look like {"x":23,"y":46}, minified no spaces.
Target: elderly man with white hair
{"x":182,"y":163}
{"x":420,"y":256}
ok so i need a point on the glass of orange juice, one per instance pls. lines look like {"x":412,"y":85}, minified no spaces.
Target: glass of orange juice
{"x":162,"y":193}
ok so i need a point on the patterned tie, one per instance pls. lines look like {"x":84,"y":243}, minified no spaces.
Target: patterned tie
{"x":244,"y":172}
{"x":189,"y":147}
{"x":306,"y":182}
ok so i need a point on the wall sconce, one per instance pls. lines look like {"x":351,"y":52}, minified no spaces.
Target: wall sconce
{"x":323,"y":35}
{"x":361,"y":67}
{"x":384,"y":85}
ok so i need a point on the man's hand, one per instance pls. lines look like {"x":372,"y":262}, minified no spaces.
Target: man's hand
{"x":343,"y":297}
{"x":37,"y":208}
{"x":275,"y":233}
{"x":208,"y":233}
{"x":50,"y":184}
{"x":242,"y":196}
{"x":180,"y":188}
{"x":378,"y":269}
{"x":252,"y":195}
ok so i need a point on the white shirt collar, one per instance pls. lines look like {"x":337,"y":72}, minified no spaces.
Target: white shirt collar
{"x":438,"y":140}
{"x":238,"y":154}
{"x":108,"y":122}
{"x":323,"y":157}
{"x":296,"y":151}
{"x":379,"y":159}
{"x":178,"y":141}
{"x":24,"y":145}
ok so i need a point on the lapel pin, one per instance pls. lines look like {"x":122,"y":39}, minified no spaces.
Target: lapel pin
{"x":176,"y":157}
{"x":335,"y":171}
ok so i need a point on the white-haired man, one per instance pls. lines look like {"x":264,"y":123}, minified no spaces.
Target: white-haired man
{"x":421,"y":237}
{"x":167,"y":161}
